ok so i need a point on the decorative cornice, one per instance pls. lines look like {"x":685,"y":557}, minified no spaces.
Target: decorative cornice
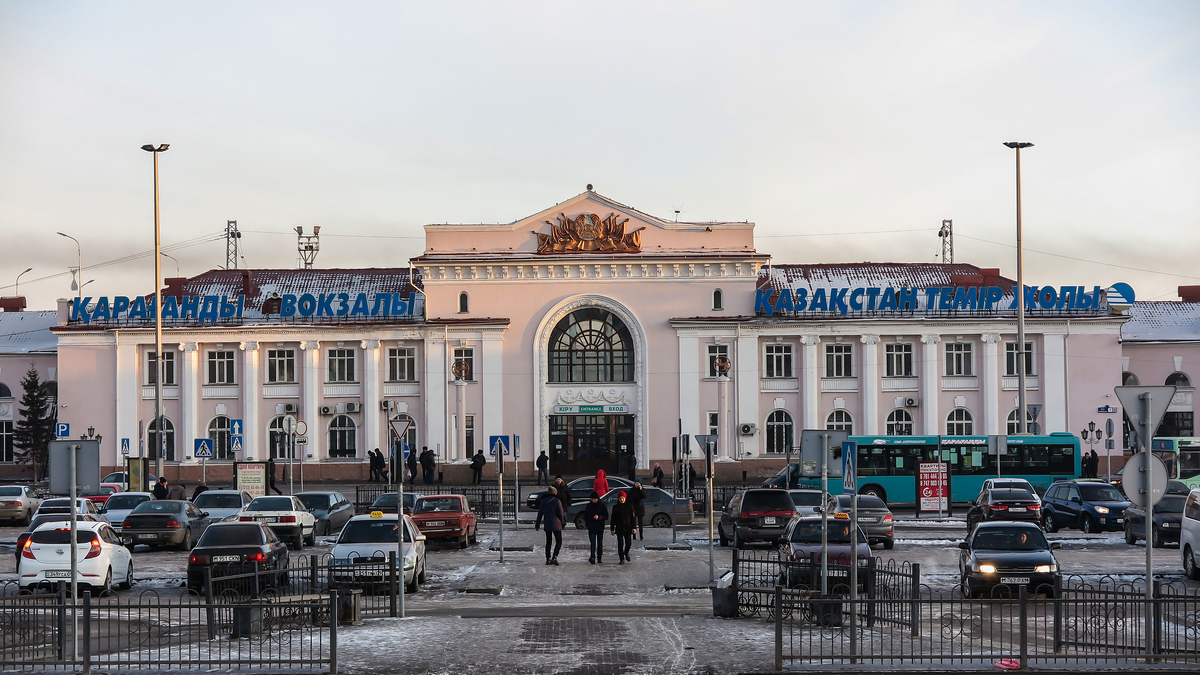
{"x":310,"y":344}
{"x":572,"y":396}
{"x":810,"y":339}
{"x":593,"y":270}
{"x":869,"y":339}
{"x":990,"y":338}
{"x":187,"y":346}
{"x":370,"y":344}
{"x":248,"y":346}
{"x":931,"y":339}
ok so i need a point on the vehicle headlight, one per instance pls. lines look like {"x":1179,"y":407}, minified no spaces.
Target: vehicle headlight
{"x":1101,"y":509}
{"x":1044,"y":569}
{"x":410,"y":560}
{"x":987,"y":569}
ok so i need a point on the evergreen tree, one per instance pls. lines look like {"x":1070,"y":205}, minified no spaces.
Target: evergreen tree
{"x":35,"y":428}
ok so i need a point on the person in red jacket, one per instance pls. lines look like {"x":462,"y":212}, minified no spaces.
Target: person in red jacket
{"x":600,"y":485}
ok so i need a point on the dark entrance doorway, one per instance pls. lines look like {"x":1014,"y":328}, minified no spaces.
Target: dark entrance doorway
{"x":583,"y":444}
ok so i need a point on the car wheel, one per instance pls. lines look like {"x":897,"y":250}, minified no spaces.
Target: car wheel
{"x":28,"y":517}
{"x":186,"y":544}
{"x":579,"y":523}
{"x":128,"y":583}
{"x":1190,"y":569}
{"x":1089,"y":525}
{"x":737,"y":540}
{"x":414,"y":586}
{"x":660,"y":520}
{"x":721,"y":536}
{"x":105,"y":589}
{"x":1130,"y":537}
{"x":465,"y":541}
{"x":311,"y":539}
{"x":1049,"y":523}
{"x":421,"y":577}
{"x":474,"y":539}
{"x":888,"y":544}
{"x":875,"y":491}
{"x":298,"y":542}
{"x":1158,"y":542}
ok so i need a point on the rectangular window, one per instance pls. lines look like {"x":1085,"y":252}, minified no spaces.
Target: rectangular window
{"x":714,"y":352}
{"x":470,"y":442}
{"x":899,"y":358}
{"x":1010,"y":358}
{"x":281,"y":365}
{"x":168,"y":368}
{"x":958,"y":359}
{"x":712,"y":423}
{"x":779,"y":360}
{"x":838,"y":360}
{"x":341,"y":365}
{"x":467,"y":356}
{"x":220,"y":368}
{"x":402,"y":365}
{"x":6,"y":441}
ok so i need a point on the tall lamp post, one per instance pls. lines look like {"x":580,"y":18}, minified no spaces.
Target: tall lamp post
{"x":79,"y":269}
{"x":1022,"y":422}
{"x":158,"y":349}
{"x":18,"y":284}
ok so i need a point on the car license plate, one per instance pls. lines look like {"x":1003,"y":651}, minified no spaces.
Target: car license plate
{"x":1018,"y":509}
{"x":1014,"y":580}
{"x":1120,"y":520}
{"x":768,"y":520}
{"x":436,"y":523}
{"x":227,"y":558}
{"x":366,"y":573}
{"x":147,"y":535}
{"x":58,"y":574}
{"x":267,"y":519}
{"x":866,"y":520}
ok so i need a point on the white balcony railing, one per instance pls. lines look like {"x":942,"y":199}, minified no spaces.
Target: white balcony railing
{"x":780,"y":384}
{"x":343,"y":390}
{"x":401,"y":388}
{"x":170,"y":391}
{"x":286,"y":390}
{"x":899,"y":384}
{"x":960,"y":383}
{"x":839,"y":384}
{"x":220,"y":391}
{"x":1011,"y":383}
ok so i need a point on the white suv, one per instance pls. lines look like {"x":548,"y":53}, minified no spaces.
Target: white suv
{"x":1189,"y":536}
{"x":287,"y":517}
{"x":102,"y":560}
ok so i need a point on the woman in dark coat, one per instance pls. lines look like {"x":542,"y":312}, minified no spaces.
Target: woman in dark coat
{"x":624,"y":525}
{"x":551,"y":512}
{"x":595,"y":514}
{"x":637,"y":497}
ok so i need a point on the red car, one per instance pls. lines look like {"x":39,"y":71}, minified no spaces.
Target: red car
{"x":446,"y":517}
{"x":106,"y":489}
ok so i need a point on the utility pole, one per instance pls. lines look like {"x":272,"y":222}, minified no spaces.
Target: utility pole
{"x":947,"y":235}
{"x":231,"y":244}
{"x":1022,"y":407}
{"x":308,"y":245}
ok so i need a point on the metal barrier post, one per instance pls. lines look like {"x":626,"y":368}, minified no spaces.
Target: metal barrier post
{"x":62,"y":620}
{"x":312,"y":574}
{"x":208,"y":601}
{"x":1022,"y":601}
{"x":1157,"y":603}
{"x":333,"y":627}
{"x":778,"y":628}
{"x":393,"y":607}
{"x":87,"y":633}
{"x":1058,"y":600}
{"x":915,"y":604}
{"x":872,"y":591}
{"x":256,"y":589}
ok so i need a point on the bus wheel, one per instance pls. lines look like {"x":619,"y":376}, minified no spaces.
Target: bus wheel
{"x":875,"y":491}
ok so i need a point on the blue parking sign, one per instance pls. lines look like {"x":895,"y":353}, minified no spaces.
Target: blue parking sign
{"x":62,"y":430}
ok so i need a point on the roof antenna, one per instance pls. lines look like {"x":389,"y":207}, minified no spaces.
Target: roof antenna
{"x":231,"y":244}
{"x":307,"y":245}
{"x":947,"y":235}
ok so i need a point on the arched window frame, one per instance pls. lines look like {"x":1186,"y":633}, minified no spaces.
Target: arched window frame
{"x":899,"y":423}
{"x":780,"y":432}
{"x":218,"y":431}
{"x":278,"y":445}
{"x":5,"y":392}
{"x":464,"y":303}
{"x":410,"y":436}
{"x":1128,"y":379}
{"x":840,"y":420}
{"x":1011,"y":424}
{"x":718,"y":300}
{"x":343,"y":437}
{"x":7,"y":451}
{"x":591,"y":345}
{"x":152,"y":440}
{"x":1179,"y":379}
{"x":960,"y":422}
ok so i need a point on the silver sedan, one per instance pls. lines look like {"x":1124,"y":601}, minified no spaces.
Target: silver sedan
{"x":18,"y":502}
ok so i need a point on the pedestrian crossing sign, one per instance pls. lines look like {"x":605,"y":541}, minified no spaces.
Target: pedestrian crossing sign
{"x":125,"y":446}
{"x":235,"y":443}
{"x":203,"y":448}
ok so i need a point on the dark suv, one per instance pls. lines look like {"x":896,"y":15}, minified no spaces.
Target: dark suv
{"x":759,"y":514}
{"x":1087,"y":505}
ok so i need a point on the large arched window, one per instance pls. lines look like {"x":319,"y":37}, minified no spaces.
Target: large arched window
{"x":218,"y":431}
{"x":840,"y":420}
{"x":278,"y":443}
{"x":718,"y":300}
{"x":591,"y":345}
{"x":343,"y":437}
{"x":410,"y":436}
{"x":1178,"y":380}
{"x":1030,"y":425}
{"x":960,"y":423}
{"x":899,"y":423}
{"x":463,"y":303}
{"x":5,"y":392}
{"x":779,"y":431}
{"x":152,"y":442}
{"x":1129,"y":379}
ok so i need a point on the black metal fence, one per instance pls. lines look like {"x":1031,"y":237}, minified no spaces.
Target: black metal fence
{"x":484,"y":500}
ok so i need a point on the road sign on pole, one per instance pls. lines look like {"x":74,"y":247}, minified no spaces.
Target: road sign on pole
{"x":289,"y":424}
{"x":235,"y":443}
{"x":499,"y":445}
{"x":235,"y":427}
{"x":301,"y":427}
{"x":62,"y":430}
{"x":125,"y":446}
{"x":850,"y":468}
{"x":1135,"y":490}
{"x":1145,"y":419}
{"x":203,"y":448}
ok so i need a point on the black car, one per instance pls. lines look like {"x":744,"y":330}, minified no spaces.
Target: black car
{"x":386,"y":502}
{"x":581,"y":488}
{"x":331,"y":509}
{"x":758,"y":514}
{"x":1168,"y":520}
{"x":164,"y":522}
{"x":1007,"y":555}
{"x":1004,"y":504}
{"x":233,"y":547}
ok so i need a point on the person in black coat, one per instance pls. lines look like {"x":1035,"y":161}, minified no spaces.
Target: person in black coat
{"x":375,"y":460}
{"x":551,"y":513}
{"x":657,"y":479}
{"x":595,"y":514}
{"x":563,"y":492}
{"x":477,"y":463}
{"x":160,"y":489}
{"x":624,"y":525}
{"x":637,"y":497}
{"x":543,"y":467}
{"x":411,"y":463}
{"x":428,"y":464}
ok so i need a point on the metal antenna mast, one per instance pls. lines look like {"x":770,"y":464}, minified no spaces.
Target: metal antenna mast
{"x":308,"y":245}
{"x":231,"y":244}
{"x":947,"y":235}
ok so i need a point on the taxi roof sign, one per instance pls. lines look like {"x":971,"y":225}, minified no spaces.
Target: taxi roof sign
{"x":377,"y":514}
{"x":841,"y":516}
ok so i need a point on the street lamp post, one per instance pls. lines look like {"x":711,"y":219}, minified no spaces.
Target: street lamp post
{"x":1022,"y":427}
{"x":18,"y":284}
{"x":79,"y":269}
{"x":176,"y":262}
{"x":158,"y":348}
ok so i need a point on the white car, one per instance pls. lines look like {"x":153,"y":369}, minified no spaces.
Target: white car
{"x":368,"y":539}
{"x":120,"y":504}
{"x":286,"y":516}
{"x":63,"y":505}
{"x":1010,"y":483}
{"x":102,"y":560}
{"x":222,"y":504}
{"x":18,"y":502}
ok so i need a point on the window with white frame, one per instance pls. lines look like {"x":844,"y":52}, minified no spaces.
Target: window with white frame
{"x":281,"y":446}
{"x":341,"y":365}
{"x":958,"y":359}
{"x":218,"y":431}
{"x":402,"y":364}
{"x":153,"y":444}
{"x":6,"y":441}
{"x":1010,"y":358}
{"x":718,"y":300}
{"x":1012,"y":422}
{"x":715,"y":351}
{"x":168,"y":366}
{"x":839,"y":360}
{"x":840,"y":420}
{"x":779,"y":432}
{"x":220,"y":367}
{"x":281,"y":366}
{"x":343,"y":435}
{"x":713,"y":422}
{"x":899,"y":359}
{"x":779,"y":360}
{"x":467,"y":356}
{"x":899,"y":423}
{"x":469,"y":424}
{"x":960,"y":423}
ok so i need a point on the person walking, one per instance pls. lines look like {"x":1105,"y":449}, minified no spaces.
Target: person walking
{"x":177,"y":491}
{"x":637,"y":497}
{"x":624,"y":525}
{"x":1094,"y":463}
{"x":601,"y":483}
{"x":477,"y":463}
{"x":200,"y":489}
{"x":428,"y":464}
{"x":160,"y":488}
{"x":551,"y":513}
{"x":271,"y":475}
{"x":411,"y":464}
{"x":595,"y":514}
{"x":374,"y":460}
{"x":543,"y":468}
{"x":563,"y":491}
{"x":657,"y":479}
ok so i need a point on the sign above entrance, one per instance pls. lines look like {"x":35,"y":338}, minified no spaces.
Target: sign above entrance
{"x":588,"y":233}
{"x":592,"y":409}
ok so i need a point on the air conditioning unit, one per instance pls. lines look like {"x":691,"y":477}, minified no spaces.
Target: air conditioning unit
{"x":290,"y":408}
{"x":353,"y":407}
{"x":749,"y":429}
{"x":912,"y":402}
{"x":327,"y":410}
{"x":385,"y":405}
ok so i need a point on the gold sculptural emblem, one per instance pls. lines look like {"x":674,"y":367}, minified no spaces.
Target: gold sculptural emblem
{"x":587,"y":233}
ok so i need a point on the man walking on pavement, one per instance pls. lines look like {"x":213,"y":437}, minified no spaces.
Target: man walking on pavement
{"x":428,"y":463}
{"x":551,"y":512}
{"x":595,"y":514}
{"x":411,"y":463}
{"x":637,"y":497}
{"x":657,"y":479}
{"x":477,"y":464}
{"x":543,"y":467}
{"x":624,"y":525}
{"x":271,"y":475}
{"x":160,"y":489}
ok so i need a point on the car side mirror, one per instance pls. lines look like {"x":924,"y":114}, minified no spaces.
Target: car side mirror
{"x":420,"y":537}
{"x":1076,"y":500}
{"x":204,"y":514}
{"x":964,"y":545}
{"x":1054,"y":546}
{"x":971,"y":502}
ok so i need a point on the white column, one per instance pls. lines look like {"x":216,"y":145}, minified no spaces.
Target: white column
{"x":372,"y":395}
{"x":460,"y":427}
{"x":990,"y":383}
{"x":492,"y":369}
{"x":724,"y":429}
{"x":748,"y":386}
{"x":310,"y":400}
{"x":689,"y":384}
{"x":1054,"y":383}
{"x":810,"y":383}
{"x":870,"y":384}
{"x":189,"y":401}
{"x":251,"y":400}
{"x":435,"y":394}
{"x":930,"y":420}
{"x":129,"y":392}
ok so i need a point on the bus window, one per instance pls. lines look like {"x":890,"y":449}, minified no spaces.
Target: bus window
{"x":1189,"y":464}
{"x":873,"y":460}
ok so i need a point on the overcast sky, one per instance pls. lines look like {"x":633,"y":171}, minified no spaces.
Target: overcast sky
{"x":847,"y":131}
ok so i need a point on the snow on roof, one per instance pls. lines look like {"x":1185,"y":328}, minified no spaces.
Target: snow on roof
{"x":1162,"y":321}
{"x":28,"y":332}
{"x":880,"y":275}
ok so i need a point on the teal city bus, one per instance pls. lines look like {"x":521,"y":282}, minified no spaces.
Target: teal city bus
{"x":1182,"y":457}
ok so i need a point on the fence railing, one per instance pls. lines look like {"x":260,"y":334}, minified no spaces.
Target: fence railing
{"x":484,"y":500}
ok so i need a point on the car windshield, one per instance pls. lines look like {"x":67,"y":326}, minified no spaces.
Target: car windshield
{"x":1170,"y":504}
{"x":208,"y":500}
{"x":233,"y":535}
{"x":1012,"y":484}
{"x":118,"y":502}
{"x":864,"y":502}
{"x":157,"y":507}
{"x":375,"y":530}
{"x":314,"y":501}
{"x":61,"y":535}
{"x":767,"y":500}
{"x":270,"y":504}
{"x":809,"y":532}
{"x":389,"y":499}
{"x":806,"y":498}
{"x":432,"y":504}
{"x":1100,"y":493}
{"x":11,"y":491}
{"x":1010,"y":539}
{"x":1012,"y":495}
{"x":53,"y":503}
